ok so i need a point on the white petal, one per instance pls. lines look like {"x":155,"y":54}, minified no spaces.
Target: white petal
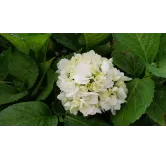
{"x":121,"y":93}
{"x":90,"y":97}
{"x":105,"y":66}
{"x":62,"y":64}
{"x":83,"y":70}
{"x":113,"y":100}
{"x":71,"y":94}
{"x":105,"y":105}
{"x":67,"y":105}
{"x":62,"y":96}
{"x":117,"y":106}
{"x":89,"y":110}
{"x":81,"y":80}
{"x":93,"y":99}
{"x":113,"y":111}
{"x":127,"y":78}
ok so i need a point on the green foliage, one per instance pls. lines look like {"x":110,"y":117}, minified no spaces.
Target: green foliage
{"x":9,"y":93}
{"x":24,"y":42}
{"x":23,"y":67}
{"x":28,"y":113}
{"x":157,"y":110}
{"x":141,"y":92}
{"x":51,"y":79}
{"x":145,"y":45}
{"x":17,"y":41}
{"x":28,"y":64}
{"x":158,"y":70}
{"x":69,"y":40}
{"x":126,"y":61}
{"x":71,"y":120}
{"x":91,"y":40}
{"x":4,"y":65}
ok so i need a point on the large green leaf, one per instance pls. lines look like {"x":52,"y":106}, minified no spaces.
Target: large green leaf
{"x":51,"y":79}
{"x":17,"y":41}
{"x":141,"y":92}
{"x":160,"y":70}
{"x":28,"y":114}
{"x":9,"y":93}
{"x":72,"y":120}
{"x":126,"y":61}
{"x":145,"y":45}
{"x":69,"y":40}
{"x":36,"y":42}
{"x":3,"y":65}
{"x":93,"y":39}
{"x":24,"y":68}
{"x":157,"y":109}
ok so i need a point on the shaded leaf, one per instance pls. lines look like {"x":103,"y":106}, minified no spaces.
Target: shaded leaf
{"x":24,"y":68}
{"x":69,"y":40}
{"x":103,"y":49}
{"x":51,"y":79}
{"x":44,"y":67}
{"x":162,"y":47}
{"x":72,"y":120}
{"x":3,"y":65}
{"x":17,"y":41}
{"x":9,"y":93}
{"x":93,"y":39}
{"x":157,"y":109}
{"x":28,"y":114}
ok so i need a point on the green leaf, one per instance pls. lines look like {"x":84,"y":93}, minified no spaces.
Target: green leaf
{"x":72,"y":120}
{"x":36,"y":42}
{"x":160,"y":70}
{"x":9,"y":93}
{"x":28,"y":114}
{"x":69,"y":40}
{"x":141,"y":92}
{"x":51,"y":79}
{"x":157,"y":109}
{"x":24,"y":68}
{"x":93,"y":39}
{"x":4,"y":65}
{"x":103,"y":49}
{"x":44,"y":67}
{"x":17,"y":41}
{"x":145,"y":45}
{"x":26,"y":41}
{"x":162,"y":48}
{"x":126,"y":61}
{"x":25,"y":35}
{"x":41,"y":55}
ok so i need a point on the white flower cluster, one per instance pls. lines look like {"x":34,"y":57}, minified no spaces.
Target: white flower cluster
{"x":90,"y":84}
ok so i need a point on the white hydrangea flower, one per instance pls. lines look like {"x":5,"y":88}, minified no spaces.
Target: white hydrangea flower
{"x":91,"y":84}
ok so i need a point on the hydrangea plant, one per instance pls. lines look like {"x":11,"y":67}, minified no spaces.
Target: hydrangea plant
{"x":82,"y":79}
